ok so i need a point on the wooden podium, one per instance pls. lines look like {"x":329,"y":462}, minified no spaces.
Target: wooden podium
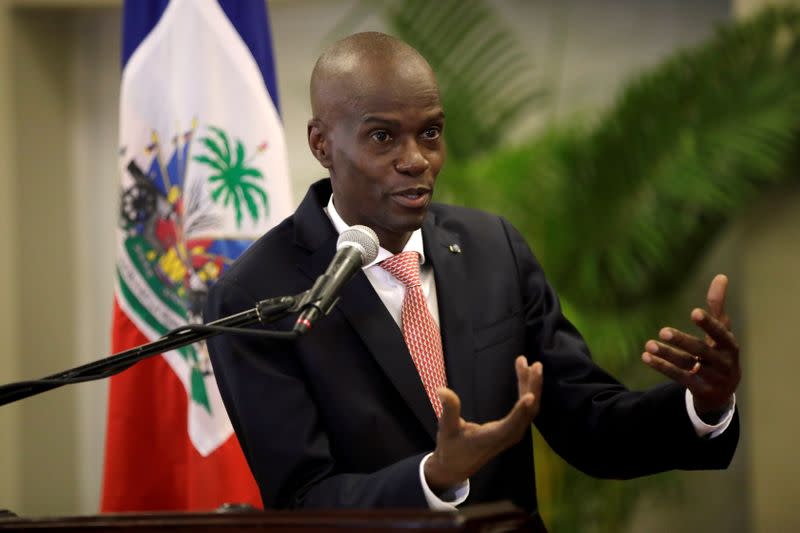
{"x":494,"y":518}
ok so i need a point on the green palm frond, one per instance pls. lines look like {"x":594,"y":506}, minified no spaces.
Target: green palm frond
{"x":239,"y":153}
{"x":683,"y":150}
{"x":620,"y":213}
{"x":233,"y":178}
{"x":210,"y":162}
{"x":226,"y":145}
{"x":222,"y":157}
{"x":252,"y":207}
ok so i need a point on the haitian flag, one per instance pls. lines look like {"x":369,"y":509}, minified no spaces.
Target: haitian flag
{"x":204,"y":172}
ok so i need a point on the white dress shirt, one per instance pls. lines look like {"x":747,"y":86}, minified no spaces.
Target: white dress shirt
{"x":391,"y":292}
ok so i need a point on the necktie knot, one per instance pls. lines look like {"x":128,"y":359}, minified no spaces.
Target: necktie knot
{"x":404,"y":267}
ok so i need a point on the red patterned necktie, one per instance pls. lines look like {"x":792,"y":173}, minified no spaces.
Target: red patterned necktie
{"x":419,"y":329}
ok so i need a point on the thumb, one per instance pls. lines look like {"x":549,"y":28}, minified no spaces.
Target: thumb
{"x":716,"y":295}
{"x":450,"y":421}
{"x":520,"y":417}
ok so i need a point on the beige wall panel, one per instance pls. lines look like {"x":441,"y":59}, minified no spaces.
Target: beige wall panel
{"x":95,"y":75}
{"x":9,"y":365}
{"x":772,"y":263}
{"x":45,"y":258}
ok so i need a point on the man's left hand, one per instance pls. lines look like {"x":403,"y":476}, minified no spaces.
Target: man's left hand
{"x":708,"y":367}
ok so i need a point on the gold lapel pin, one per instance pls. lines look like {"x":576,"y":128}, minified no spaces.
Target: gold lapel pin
{"x":456,"y":249}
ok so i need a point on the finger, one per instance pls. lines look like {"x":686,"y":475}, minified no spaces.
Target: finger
{"x":523,"y":374}
{"x":667,"y":368}
{"x":535,"y":385}
{"x":715,"y":329}
{"x":675,"y":355}
{"x":683,"y":350}
{"x":518,"y":420}
{"x":450,"y":421}
{"x":716,"y":295}
{"x":684,"y":341}
{"x":697,"y":379}
{"x":696,"y":368}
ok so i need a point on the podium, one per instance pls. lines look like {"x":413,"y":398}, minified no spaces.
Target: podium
{"x":494,"y":518}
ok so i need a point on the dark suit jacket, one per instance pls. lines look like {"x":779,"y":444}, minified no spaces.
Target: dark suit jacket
{"x":340,"y":417}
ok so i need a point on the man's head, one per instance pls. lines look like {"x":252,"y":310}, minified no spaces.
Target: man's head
{"x":377,"y":127}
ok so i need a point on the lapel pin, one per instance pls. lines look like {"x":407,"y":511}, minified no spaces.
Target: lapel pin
{"x":456,"y":249}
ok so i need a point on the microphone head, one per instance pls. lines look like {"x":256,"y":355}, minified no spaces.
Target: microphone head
{"x":361,"y":238}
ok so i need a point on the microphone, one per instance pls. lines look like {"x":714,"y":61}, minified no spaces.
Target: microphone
{"x":357,"y":246}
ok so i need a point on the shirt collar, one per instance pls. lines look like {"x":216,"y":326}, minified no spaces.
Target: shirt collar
{"x":414,"y":243}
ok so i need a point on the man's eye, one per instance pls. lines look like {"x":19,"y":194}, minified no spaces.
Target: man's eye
{"x":380,"y":136}
{"x":432,"y":133}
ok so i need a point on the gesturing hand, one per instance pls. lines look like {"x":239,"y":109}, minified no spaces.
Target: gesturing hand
{"x":464,"y":447}
{"x":709,"y":368}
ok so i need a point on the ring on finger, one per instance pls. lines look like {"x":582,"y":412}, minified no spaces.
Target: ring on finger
{"x":697,"y":364}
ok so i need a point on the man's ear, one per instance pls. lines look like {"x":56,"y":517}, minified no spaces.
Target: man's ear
{"x":318,"y":142}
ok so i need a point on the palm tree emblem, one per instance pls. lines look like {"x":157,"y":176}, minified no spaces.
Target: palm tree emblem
{"x":234,"y":183}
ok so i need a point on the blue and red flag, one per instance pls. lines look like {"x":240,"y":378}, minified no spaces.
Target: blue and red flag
{"x":204,"y":172}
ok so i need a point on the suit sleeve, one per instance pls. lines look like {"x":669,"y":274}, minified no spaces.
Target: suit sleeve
{"x":587,"y":416}
{"x":278,"y":426}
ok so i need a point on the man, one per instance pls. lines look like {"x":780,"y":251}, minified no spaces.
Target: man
{"x":347,"y":414}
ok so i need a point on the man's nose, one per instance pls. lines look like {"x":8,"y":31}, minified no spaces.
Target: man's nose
{"x":412,"y":161}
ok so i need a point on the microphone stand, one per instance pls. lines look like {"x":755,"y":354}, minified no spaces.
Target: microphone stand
{"x":264,"y":312}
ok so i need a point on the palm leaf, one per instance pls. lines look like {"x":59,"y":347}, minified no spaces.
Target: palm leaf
{"x":239,"y":153}
{"x":219,"y":190}
{"x":237,"y":204}
{"x":255,"y":189}
{"x":223,"y":160}
{"x":252,"y":207}
{"x":250,"y":171}
{"x":208,"y":161}
{"x":618,"y":213}
{"x":681,"y":152}
{"x":226,"y":151}
{"x":250,"y":188}
{"x":229,"y":193}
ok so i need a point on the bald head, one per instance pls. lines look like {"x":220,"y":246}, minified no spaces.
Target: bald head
{"x":377,"y":129}
{"x":361,"y":65}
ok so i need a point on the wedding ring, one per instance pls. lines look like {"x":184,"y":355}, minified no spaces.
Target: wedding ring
{"x":697,"y":364}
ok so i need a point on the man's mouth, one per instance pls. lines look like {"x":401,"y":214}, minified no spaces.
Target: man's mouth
{"x":415,"y":197}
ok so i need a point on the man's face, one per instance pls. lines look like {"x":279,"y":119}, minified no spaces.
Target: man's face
{"x":385,"y":147}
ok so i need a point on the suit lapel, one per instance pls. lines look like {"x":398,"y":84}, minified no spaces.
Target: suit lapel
{"x":369,"y":317}
{"x":443,"y":249}
{"x":363,"y":309}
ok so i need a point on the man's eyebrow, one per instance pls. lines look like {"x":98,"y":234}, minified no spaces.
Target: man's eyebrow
{"x":380,"y":120}
{"x":391,"y":122}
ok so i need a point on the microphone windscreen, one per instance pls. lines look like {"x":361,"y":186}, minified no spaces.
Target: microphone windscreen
{"x":362,"y":238}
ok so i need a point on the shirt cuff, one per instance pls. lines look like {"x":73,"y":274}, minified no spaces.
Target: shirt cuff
{"x":706,"y":430}
{"x":449,"y":499}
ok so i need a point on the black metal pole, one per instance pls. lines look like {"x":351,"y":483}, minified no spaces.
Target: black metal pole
{"x":265,"y":311}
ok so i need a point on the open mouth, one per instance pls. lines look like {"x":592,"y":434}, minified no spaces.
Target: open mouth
{"x":416,"y":197}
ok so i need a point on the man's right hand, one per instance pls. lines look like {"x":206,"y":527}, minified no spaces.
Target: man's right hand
{"x":462,"y":447}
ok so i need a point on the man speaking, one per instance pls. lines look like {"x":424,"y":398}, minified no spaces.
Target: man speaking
{"x":420,"y":387}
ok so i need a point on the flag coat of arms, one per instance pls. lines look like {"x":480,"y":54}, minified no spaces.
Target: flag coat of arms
{"x":203,"y":173}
